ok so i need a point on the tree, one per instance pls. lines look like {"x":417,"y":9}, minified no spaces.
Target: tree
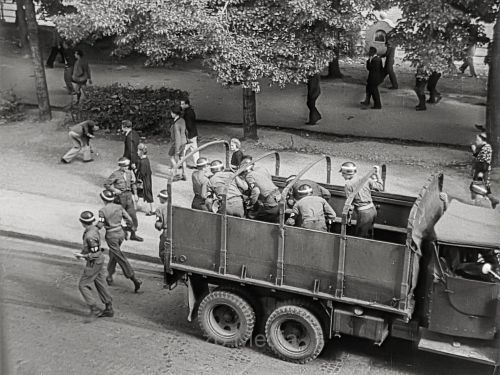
{"x":435,"y":32}
{"x":42,"y":92}
{"x":242,"y":41}
{"x":22,"y":27}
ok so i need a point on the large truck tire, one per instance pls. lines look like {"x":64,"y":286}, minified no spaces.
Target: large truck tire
{"x":294,"y":334}
{"x":226,"y":318}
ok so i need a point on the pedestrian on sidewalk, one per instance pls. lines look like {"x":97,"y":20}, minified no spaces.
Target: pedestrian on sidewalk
{"x":80,"y":134}
{"x":178,"y":141}
{"x":93,"y":273}
{"x":435,"y":95}
{"x":161,"y":223}
{"x":122,"y":183}
{"x":144,"y":178}
{"x":189,"y":117}
{"x":200,"y":184}
{"x":389,"y":63}
{"x":376,"y":76}
{"x":56,"y":49}
{"x":131,"y":143}
{"x":469,"y":60}
{"x":481,"y":167}
{"x":237,"y":156}
{"x":69,"y":63}
{"x":110,"y":218}
{"x":421,"y":78}
{"x":81,"y":74}
{"x":313,"y":93}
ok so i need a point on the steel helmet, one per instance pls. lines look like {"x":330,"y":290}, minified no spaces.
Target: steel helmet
{"x":216,"y":166}
{"x":201,"y":162}
{"x":305,"y":189}
{"x":163,"y":194}
{"x":348,"y":168}
{"x":290,"y":179}
{"x":123,"y":162}
{"x":107,"y":196}
{"x":87,"y":217}
{"x":478,"y":187}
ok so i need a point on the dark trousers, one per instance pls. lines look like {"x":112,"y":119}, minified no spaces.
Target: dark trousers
{"x":127,"y":203}
{"x":314,"y":115}
{"x":199,"y":203}
{"x":372,"y":92}
{"x":162,"y":246}
{"x":468,"y":63}
{"x":431,"y":86}
{"x":365,"y":222}
{"x":420,"y":91}
{"x":94,"y":274}
{"x":53,"y":54}
{"x":392,"y":76}
{"x":68,"y":73}
{"x":114,"y":240}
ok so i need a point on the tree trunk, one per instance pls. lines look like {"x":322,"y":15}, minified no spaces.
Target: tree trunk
{"x":249,"y":114}
{"x":22,"y":27}
{"x":334,"y":67}
{"x":42,"y":93}
{"x":493,"y":104}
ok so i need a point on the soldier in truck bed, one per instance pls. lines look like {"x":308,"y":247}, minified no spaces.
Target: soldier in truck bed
{"x":363,"y":203}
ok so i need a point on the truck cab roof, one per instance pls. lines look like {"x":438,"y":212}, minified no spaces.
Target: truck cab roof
{"x":470,"y":226}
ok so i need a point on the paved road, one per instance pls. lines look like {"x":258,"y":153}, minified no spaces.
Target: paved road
{"x":450,"y":122}
{"x":149,"y":334}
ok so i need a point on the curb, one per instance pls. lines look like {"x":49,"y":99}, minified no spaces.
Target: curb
{"x":71,"y":245}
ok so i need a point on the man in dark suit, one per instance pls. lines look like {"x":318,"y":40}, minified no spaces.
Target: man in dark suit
{"x":389,"y":64}
{"x":376,"y":76}
{"x":132,"y":141}
{"x":313,"y":93}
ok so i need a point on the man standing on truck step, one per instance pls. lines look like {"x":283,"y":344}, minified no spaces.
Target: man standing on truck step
{"x":110,"y":217}
{"x":264,"y":195}
{"x":314,"y":212}
{"x":200,"y":184}
{"x":217,"y":184}
{"x":93,"y":273}
{"x":363,"y":202}
{"x":161,"y":223}
{"x":122,"y":182}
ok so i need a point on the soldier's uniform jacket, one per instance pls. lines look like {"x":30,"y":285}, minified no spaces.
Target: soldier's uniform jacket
{"x":200,"y":182}
{"x":219,"y":180}
{"x":121,"y":181}
{"x":364,"y":197}
{"x":161,"y":215}
{"x":262,"y":186}
{"x":111,"y":215}
{"x":313,"y":208}
{"x":92,"y":244}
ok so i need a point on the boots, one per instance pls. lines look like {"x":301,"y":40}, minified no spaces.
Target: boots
{"x":108,"y":312}
{"x":137,"y":283}
{"x":494,"y":200}
{"x":135,"y":237}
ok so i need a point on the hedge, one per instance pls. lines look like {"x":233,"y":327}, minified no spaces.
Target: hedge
{"x":147,"y":108}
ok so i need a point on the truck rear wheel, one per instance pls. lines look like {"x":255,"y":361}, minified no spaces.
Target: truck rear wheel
{"x":226,"y":318}
{"x":294,"y":334}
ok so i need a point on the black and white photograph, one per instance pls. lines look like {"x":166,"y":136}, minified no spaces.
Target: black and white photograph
{"x":250,"y":187}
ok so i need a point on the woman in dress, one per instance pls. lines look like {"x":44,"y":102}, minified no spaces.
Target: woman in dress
{"x":145,"y":186}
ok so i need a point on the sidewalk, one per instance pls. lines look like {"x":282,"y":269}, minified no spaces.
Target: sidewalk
{"x":449,"y":122}
{"x":41,"y":198}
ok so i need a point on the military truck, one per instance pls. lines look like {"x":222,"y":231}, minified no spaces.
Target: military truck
{"x":302,"y":287}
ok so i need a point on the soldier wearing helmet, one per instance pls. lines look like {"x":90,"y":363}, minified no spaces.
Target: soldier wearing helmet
{"x":217,"y":187}
{"x":110,"y":218}
{"x":94,"y":273}
{"x":264,"y":194}
{"x":363,"y":202}
{"x":161,"y":223}
{"x":317,"y":190}
{"x":200,"y":184}
{"x":122,"y":183}
{"x":314,"y":212}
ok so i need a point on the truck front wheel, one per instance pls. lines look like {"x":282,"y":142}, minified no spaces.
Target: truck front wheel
{"x":294,"y":334}
{"x":226,"y":319}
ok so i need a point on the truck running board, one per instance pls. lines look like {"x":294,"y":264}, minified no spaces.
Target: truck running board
{"x":467,"y":349}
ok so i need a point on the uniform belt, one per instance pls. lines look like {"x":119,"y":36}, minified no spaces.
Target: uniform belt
{"x":114,"y":229}
{"x":125,"y":191}
{"x":235,"y":197}
{"x":312,"y":220}
{"x":365,"y":207}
